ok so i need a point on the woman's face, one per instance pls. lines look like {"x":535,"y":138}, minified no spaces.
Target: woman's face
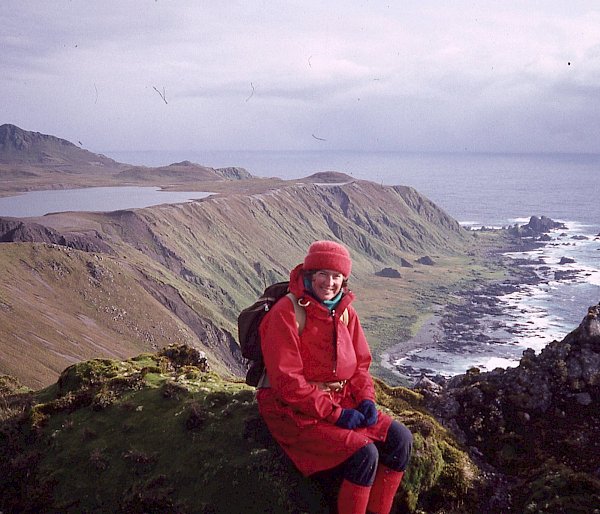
{"x":326,"y":284}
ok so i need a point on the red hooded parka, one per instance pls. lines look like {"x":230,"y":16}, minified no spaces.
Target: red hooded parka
{"x":300,"y":415}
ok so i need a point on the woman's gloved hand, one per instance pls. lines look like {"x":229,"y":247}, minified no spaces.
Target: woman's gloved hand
{"x":350,"y":419}
{"x":369,"y":411}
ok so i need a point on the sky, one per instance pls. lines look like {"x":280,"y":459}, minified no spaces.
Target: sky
{"x":416,"y":76}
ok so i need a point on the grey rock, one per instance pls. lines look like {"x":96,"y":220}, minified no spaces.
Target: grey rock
{"x":388,"y":273}
{"x":583,"y":398}
{"x":566,"y":260}
{"x":426,"y":260}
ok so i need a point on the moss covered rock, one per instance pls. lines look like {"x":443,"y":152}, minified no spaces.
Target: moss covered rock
{"x":157,"y":434}
{"x":538,"y":423}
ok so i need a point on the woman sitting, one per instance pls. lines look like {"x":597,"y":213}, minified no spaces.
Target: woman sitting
{"x":319,"y":399}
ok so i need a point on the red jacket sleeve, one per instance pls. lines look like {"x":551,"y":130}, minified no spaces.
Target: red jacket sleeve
{"x":361,"y":384}
{"x":280,"y":347}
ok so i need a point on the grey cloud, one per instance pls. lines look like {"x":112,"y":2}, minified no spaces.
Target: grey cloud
{"x":373,"y":77}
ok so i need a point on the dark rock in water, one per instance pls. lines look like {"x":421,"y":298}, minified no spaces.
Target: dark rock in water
{"x":566,"y":260}
{"x":388,"y":273}
{"x":565,"y":275}
{"x":543,"y":224}
{"x":536,"y":227}
{"x":427,"y":261}
{"x":580,"y":238}
{"x":405,"y":264}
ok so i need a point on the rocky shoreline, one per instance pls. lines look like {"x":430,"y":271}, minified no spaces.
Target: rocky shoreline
{"x":481,"y":318}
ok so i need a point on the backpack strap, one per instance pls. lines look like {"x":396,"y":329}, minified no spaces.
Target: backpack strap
{"x":299,"y":311}
{"x":345,"y":317}
{"x":300,"y":323}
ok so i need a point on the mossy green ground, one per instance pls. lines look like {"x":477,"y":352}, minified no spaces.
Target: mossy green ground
{"x":151,"y":435}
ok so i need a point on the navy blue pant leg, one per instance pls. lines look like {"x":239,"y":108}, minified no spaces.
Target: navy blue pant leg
{"x":394,"y":453}
{"x":360,"y":468}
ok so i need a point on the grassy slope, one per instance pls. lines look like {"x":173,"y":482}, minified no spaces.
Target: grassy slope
{"x":159,"y":433}
{"x":207,"y":260}
{"x":60,"y":306}
{"x":237,"y":244}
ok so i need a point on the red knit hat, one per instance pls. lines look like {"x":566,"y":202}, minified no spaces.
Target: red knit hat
{"x":328,"y":255}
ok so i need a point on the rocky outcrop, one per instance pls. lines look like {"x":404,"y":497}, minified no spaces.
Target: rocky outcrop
{"x":542,"y":387}
{"x":405,"y":264}
{"x":233,"y":173}
{"x":426,"y":261}
{"x":526,"y":419}
{"x":537,"y":227}
{"x":18,"y":231}
{"x":543,"y":224}
{"x":388,"y":273}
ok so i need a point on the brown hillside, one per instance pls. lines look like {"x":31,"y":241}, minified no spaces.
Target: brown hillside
{"x":181,"y":172}
{"x":195,"y":266}
{"x":34,"y":161}
{"x":18,"y":146}
{"x":61,"y":305}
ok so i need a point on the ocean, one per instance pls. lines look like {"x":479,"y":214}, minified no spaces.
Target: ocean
{"x":491,"y":190}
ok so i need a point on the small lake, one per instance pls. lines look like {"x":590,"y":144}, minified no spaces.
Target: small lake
{"x":97,"y":199}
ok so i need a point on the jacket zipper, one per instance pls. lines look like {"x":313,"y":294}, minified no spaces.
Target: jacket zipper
{"x":335,"y":335}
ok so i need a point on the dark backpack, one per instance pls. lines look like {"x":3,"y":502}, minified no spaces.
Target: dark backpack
{"x":249,"y":320}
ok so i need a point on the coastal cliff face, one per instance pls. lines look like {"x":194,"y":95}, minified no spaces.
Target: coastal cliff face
{"x":141,"y":279}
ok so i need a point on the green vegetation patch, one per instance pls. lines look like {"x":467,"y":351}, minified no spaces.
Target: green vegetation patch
{"x":557,"y":488}
{"x":179,"y":438}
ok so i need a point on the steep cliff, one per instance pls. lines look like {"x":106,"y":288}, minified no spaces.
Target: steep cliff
{"x":199,"y":264}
